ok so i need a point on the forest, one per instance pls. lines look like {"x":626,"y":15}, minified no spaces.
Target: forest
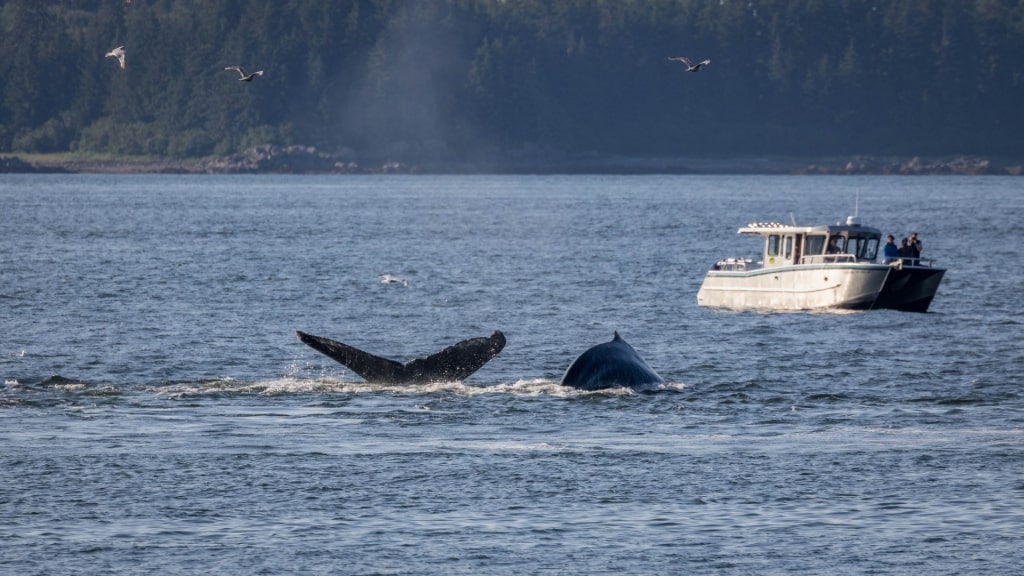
{"x":464,"y":80}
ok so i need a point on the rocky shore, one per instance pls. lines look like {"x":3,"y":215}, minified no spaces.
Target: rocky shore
{"x":962,"y":165}
{"x":271,"y":159}
{"x":265,"y":159}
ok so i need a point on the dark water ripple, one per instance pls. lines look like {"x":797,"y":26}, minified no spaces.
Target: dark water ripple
{"x":157,"y":414}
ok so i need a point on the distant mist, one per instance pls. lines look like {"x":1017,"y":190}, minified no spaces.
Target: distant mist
{"x":406,"y":105}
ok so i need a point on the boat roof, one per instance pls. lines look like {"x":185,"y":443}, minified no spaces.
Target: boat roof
{"x":766,"y":228}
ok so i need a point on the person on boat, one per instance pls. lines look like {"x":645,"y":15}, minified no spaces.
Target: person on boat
{"x":832,"y":247}
{"x":904,"y":251}
{"x":890,"y":252}
{"x":915,"y":247}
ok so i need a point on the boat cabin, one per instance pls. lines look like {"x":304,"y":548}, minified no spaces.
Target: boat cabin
{"x":791,"y":245}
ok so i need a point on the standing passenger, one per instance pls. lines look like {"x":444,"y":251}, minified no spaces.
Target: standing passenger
{"x":890,"y":252}
{"x":904,"y":250}
{"x":915,"y":247}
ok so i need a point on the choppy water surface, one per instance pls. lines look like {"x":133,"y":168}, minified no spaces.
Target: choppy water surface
{"x":157,"y":414}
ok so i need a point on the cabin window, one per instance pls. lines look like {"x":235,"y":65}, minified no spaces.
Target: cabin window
{"x":871,"y":249}
{"x":862,"y":248}
{"x":835,"y":245}
{"x":787,"y":248}
{"x":773,"y":245}
{"x":814,"y":245}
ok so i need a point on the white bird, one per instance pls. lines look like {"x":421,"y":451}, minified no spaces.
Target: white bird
{"x":243,"y":77}
{"x":690,"y":66}
{"x":389,"y":279}
{"x":117,"y":53}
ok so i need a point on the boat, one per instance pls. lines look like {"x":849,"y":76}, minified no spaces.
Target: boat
{"x":833,"y":267}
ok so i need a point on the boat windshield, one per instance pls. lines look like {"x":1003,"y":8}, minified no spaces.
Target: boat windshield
{"x":835,"y":244}
{"x":860,"y":246}
{"x":863,"y":247}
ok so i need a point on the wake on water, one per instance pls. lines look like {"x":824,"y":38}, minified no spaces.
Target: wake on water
{"x":295,"y":386}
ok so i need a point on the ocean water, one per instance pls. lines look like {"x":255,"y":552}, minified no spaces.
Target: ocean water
{"x":158,"y":415}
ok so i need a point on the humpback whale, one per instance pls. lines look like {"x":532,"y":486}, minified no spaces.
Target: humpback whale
{"x":453,"y":364}
{"x":611,"y":365}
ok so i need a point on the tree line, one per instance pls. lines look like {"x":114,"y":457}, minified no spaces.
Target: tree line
{"x":450,"y":80}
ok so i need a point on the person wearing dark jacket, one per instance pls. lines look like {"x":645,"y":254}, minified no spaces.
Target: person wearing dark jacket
{"x":915,"y":247}
{"x":904,"y":250}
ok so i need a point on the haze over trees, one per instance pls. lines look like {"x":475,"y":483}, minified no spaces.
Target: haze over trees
{"x":459,"y":80}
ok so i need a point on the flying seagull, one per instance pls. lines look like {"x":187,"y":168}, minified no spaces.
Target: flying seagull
{"x":117,"y":53}
{"x":242,"y":76}
{"x":690,"y":66}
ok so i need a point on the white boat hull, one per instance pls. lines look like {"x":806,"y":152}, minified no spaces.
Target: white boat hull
{"x":802,"y":287}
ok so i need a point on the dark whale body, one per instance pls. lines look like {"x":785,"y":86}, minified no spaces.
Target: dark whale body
{"x":613,"y":364}
{"x":453,"y":364}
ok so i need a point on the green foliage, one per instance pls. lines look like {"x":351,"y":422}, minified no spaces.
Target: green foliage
{"x":458,"y":79}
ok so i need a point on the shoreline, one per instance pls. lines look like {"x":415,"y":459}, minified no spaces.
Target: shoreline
{"x":269,"y":159}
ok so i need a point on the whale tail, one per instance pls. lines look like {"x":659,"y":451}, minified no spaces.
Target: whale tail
{"x":453,"y":364}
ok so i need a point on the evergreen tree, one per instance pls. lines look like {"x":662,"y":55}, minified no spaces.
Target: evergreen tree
{"x":459,"y":79}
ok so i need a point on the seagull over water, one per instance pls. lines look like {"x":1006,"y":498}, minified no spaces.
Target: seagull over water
{"x":389,"y":279}
{"x":242,"y":76}
{"x":117,"y":53}
{"x":690,"y":66}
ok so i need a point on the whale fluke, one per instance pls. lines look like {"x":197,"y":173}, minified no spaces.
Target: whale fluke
{"x":611,"y":365}
{"x":453,"y":364}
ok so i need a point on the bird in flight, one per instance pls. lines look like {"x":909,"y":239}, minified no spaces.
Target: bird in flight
{"x":242,"y":76}
{"x":117,"y":53}
{"x":690,"y":66}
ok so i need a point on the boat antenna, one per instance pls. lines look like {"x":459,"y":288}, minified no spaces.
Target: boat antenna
{"x":792,"y":218}
{"x":856,"y":204}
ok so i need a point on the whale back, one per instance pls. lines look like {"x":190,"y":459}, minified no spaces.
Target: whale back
{"x":611,"y":365}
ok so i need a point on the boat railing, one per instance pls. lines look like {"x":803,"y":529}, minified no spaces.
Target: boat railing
{"x":733,"y":264}
{"x":899,"y":263}
{"x":850,"y":258}
{"x":741,"y":264}
{"x":828,"y":259}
